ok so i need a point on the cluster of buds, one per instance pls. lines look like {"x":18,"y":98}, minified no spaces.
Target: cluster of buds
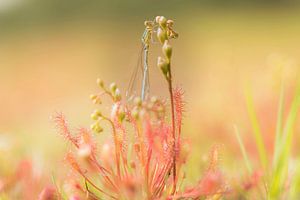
{"x":155,"y":106}
{"x":165,"y":32}
{"x":114,"y":93}
{"x":165,"y":29}
{"x":97,"y":116}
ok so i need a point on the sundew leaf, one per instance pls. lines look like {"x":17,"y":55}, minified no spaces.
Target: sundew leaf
{"x":242,"y":147}
{"x":256,"y":128}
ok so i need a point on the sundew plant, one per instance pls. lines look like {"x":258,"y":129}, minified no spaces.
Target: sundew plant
{"x":142,"y":151}
{"x":144,"y":157}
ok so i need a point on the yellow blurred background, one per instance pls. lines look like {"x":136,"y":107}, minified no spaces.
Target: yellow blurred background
{"x":52,"y":51}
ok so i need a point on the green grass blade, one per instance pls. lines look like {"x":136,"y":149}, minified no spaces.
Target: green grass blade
{"x":242,"y":147}
{"x":256,"y":129}
{"x":279,"y":126}
{"x":279,"y":175}
{"x":294,"y":191}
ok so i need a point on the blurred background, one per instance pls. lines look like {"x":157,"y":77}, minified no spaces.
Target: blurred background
{"x":52,"y":51}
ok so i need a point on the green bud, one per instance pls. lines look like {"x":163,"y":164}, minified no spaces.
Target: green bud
{"x":157,"y":19}
{"x":162,"y":21}
{"x":100,"y":83}
{"x":167,"y":49}
{"x":122,"y":113}
{"x":97,"y":100}
{"x":117,"y":94}
{"x":161,"y":35}
{"x":122,"y":116}
{"x":154,"y":99}
{"x":163,"y":65}
{"x":93,"y":96}
{"x":96,"y":127}
{"x":113,"y":87}
{"x":96,"y":114}
{"x":137,"y":101}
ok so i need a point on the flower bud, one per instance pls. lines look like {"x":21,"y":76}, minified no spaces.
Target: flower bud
{"x":93,"y":96}
{"x":163,"y":65}
{"x":157,"y":19}
{"x":96,"y":127}
{"x":97,"y":100}
{"x":154,"y":99}
{"x":137,"y":101}
{"x":113,"y":87}
{"x":162,"y":21}
{"x":122,"y":116}
{"x":117,"y":95}
{"x":96,"y":114}
{"x":100,"y":83}
{"x":167,"y":49}
{"x":161,"y":35}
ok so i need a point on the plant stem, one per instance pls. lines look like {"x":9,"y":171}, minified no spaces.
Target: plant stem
{"x":173,"y":129}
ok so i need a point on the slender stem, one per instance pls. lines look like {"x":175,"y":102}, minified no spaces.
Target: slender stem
{"x":103,"y":173}
{"x":173,"y":129}
{"x":96,"y":187}
{"x":117,"y":149}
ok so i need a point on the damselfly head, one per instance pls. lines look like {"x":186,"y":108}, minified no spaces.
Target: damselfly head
{"x":148,"y":23}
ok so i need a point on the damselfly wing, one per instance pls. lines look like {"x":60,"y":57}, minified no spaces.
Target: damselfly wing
{"x":142,"y":68}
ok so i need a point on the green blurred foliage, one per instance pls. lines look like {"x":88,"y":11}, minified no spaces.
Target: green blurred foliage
{"x":29,"y":13}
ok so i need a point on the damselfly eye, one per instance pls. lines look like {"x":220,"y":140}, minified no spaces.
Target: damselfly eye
{"x":148,"y":23}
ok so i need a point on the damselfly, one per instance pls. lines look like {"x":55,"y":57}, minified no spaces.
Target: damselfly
{"x":143,"y":65}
